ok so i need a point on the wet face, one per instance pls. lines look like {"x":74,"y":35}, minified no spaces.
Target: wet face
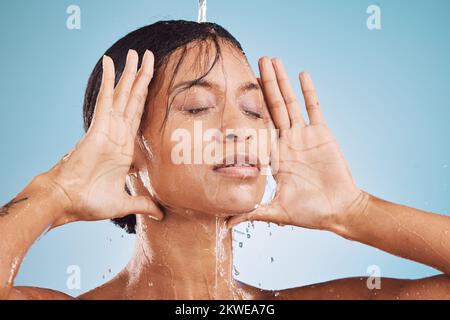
{"x":208,"y":157}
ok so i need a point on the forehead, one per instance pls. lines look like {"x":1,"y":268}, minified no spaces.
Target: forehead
{"x":228,"y":67}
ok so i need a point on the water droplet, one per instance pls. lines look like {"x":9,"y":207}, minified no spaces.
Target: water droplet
{"x":271,"y":259}
{"x":109,"y":270}
{"x":248,"y":235}
{"x":236,"y":272}
{"x":268,"y":224}
{"x":277,"y":294}
{"x":240,"y":244}
{"x":270,"y":234}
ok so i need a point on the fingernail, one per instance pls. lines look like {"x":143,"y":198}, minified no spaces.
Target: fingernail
{"x":128,"y":54}
{"x":263,"y":62}
{"x":146,"y":55}
{"x":105,"y":57}
{"x":131,"y":52}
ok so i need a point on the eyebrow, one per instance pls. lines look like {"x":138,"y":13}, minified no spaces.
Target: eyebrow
{"x":246,"y":86}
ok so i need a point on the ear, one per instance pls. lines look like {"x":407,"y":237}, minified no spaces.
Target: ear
{"x":138,"y":156}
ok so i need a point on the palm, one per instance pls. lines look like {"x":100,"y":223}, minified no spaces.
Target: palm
{"x":102,"y":194}
{"x":313,"y":179}
{"x":93,"y":175}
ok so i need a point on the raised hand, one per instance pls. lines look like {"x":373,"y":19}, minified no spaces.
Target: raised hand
{"x":92,"y":176}
{"x":315,"y":188}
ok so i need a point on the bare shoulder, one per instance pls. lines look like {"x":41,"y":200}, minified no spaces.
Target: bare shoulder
{"x":33,"y":293}
{"x":115,"y":289}
{"x":436,"y":287}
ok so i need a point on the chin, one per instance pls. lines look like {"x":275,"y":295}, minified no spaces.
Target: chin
{"x":236,"y":204}
{"x":228,"y":200}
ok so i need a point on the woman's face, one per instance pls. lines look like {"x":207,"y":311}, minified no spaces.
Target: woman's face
{"x":208,"y":156}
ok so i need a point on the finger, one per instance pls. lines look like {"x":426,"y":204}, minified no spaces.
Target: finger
{"x":293,"y":107}
{"x":311,"y":100}
{"x":267,"y":118}
{"x":123,"y":89}
{"x":143,"y":205}
{"x":136,"y":103}
{"x":273,"y":95}
{"x":272,"y":132}
{"x":104,"y":101}
{"x":274,"y":156}
{"x":259,"y":81}
{"x":273,"y":142}
{"x":263,"y":213}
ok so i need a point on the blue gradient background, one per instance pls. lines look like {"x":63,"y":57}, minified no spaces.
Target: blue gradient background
{"x":385,"y":94}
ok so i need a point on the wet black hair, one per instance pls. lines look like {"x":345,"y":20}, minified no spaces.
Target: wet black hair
{"x":162,"y":38}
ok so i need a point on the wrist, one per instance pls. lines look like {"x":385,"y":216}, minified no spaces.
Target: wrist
{"x":57,"y":202}
{"x":346,"y":223}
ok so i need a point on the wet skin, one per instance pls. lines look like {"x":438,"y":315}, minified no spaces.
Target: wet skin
{"x":184,"y":251}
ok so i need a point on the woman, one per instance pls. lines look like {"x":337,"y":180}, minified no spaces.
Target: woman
{"x":178,"y":75}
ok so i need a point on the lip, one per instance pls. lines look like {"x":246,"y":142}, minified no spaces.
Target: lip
{"x":238,"y":166}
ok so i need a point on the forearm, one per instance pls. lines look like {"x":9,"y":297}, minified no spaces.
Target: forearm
{"x":406,"y":232}
{"x":22,"y":220}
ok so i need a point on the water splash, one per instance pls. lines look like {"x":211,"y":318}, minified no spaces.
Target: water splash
{"x":201,"y":11}
{"x":13,"y":270}
{"x":221,"y":233}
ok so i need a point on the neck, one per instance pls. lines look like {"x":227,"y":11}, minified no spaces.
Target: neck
{"x":188,"y":255}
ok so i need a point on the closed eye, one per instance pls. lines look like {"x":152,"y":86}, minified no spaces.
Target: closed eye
{"x":253,"y":114}
{"x":195,"y":111}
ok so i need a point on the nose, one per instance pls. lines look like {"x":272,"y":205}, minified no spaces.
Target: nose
{"x":235,"y":126}
{"x":239,"y":135}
